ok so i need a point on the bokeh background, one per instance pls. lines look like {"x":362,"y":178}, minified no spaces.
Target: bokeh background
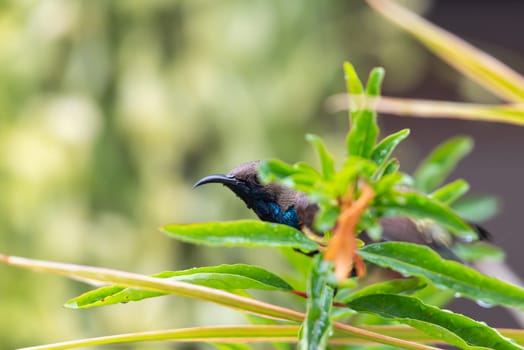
{"x":111,"y":110}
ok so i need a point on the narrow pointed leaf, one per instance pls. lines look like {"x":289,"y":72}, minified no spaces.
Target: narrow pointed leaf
{"x":353,"y":83}
{"x":316,"y":328}
{"x":477,"y":208}
{"x":435,"y":296}
{"x":300,"y":176}
{"x":240,"y":233}
{"x":352,"y":168}
{"x":270,"y":170}
{"x":455,"y":329}
{"x":486,"y":70}
{"x":368,"y":222}
{"x":391,"y":167}
{"x":398,"y":286}
{"x":327,"y":216}
{"x":306,"y":169}
{"x":249,"y":277}
{"x":225,"y":277}
{"x":326,"y":159}
{"x":415,"y":260}
{"x":375,"y":82}
{"x":477,"y":250}
{"x":419,"y":206}
{"x":449,"y":193}
{"x":363,"y":133}
{"x":383,"y":149}
{"x":387,"y":182}
{"x":433,"y":170}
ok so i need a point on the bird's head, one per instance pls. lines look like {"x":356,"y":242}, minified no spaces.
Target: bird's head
{"x":243,"y":181}
{"x":271,"y":202}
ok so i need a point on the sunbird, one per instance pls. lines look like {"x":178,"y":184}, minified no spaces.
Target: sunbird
{"x":277,"y":203}
{"x":274,"y":202}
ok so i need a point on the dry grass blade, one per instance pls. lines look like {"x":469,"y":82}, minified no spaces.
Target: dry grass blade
{"x":504,"y":113}
{"x":486,"y":70}
{"x":199,"y":292}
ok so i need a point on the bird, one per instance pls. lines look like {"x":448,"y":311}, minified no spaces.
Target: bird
{"x":274,"y":202}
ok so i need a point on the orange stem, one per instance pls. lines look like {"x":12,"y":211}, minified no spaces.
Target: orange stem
{"x":343,"y":245}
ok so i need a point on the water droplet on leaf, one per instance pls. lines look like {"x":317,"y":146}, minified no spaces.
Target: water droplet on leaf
{"x":484,"y":304}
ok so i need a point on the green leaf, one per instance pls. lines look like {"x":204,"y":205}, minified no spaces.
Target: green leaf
{"x":227,"y":277}
{"x":382,"y":150}
{"x":327,"y":216}
{"x":477,"y":208}
{"x":435,"y":296}
{"x":353,"y":83}
{"x":300,"y":176}
{"x":271,"y":170}
{"x":326,"y":159}
{"x":387,"y":183}
{"x":340,"y":313}
{"x":477,"y":250}
{"x":353,"y":168}
{"x":306,"y":169}
{"x":391,"y":167}
{"x":449,"y":193}
{"x":419,"y":206}
{"x":363,"y":133}
{"x":364,"y":130}
{"x":407,"y":285}
{"x":316,"y":328}
{"x":432,"y":172}
{"x":374,"y":82}
{"x":455,"y":329}
{"x":235,"y":276}
{"x":421,"y":261}
{"x":248,"y":233}
{"x":368,"y":222}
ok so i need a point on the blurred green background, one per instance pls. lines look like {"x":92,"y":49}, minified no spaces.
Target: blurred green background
{"x":111,"y":110}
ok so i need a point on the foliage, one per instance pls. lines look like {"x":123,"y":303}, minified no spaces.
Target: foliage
{"x":352,"y":197}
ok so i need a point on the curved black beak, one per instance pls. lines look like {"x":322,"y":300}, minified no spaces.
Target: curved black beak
{"x":217,"y":178}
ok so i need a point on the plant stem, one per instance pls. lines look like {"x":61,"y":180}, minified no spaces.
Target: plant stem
{"x":132,"y":280}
